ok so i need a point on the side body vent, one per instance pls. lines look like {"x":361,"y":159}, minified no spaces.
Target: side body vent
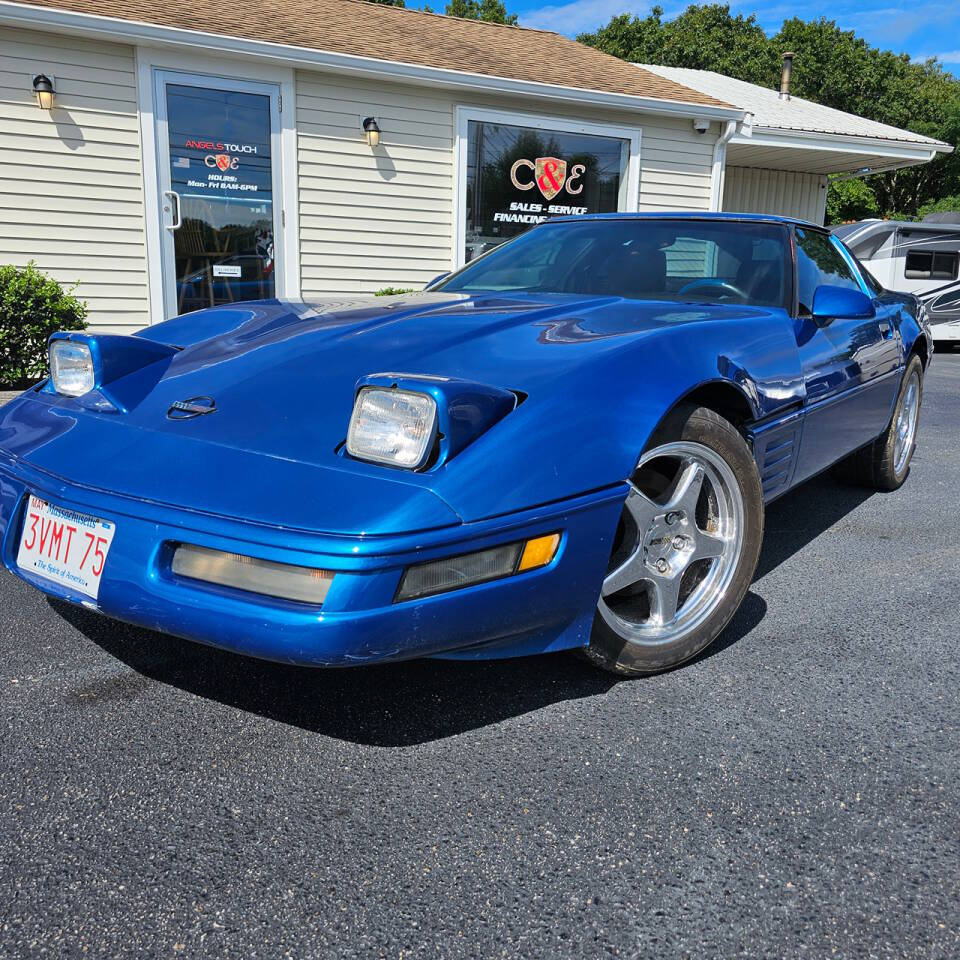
{"x":776,"y":452}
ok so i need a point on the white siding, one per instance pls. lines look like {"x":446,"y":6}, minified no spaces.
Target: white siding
{"x":71,"y":194}
{"x":783,"y":192}
{"x":370,"y":219}
{"x":676,"y":165}
{"x":373,"y":219}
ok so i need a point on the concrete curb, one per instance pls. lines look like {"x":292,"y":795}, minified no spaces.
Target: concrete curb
{"x":6,"y":396}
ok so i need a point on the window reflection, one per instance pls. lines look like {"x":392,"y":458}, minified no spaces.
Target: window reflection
{"x":518,"y":177}
{"x":220,"y":166}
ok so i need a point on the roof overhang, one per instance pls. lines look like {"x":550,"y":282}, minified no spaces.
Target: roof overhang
{"x":826,"y":153}
{"x":138,"y":32}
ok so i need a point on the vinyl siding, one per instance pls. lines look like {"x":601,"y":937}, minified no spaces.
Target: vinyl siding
{"x":676,"y":165}
{"x":783,"y":192}
{"x":71,"y":193}
{"x":370,"y":219}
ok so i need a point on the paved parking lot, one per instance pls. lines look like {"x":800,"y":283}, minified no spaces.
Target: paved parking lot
{"x":796,"y":792}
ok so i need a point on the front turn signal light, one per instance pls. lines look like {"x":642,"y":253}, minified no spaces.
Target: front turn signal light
{"x":539,"y":552}
{"x":469,"y":569}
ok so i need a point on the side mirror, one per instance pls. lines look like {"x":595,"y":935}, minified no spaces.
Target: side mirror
{"x":841,"y":303}
{"x":436,"y":280}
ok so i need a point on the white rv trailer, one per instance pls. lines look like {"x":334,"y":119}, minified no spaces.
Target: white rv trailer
{"x":920,"y":258}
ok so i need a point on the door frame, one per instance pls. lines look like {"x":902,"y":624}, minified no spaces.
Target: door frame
{"x":223,"y":73}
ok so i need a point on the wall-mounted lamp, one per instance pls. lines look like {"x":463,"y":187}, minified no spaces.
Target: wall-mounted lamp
{"x":371,"y":131}
{"x":43,"y":88}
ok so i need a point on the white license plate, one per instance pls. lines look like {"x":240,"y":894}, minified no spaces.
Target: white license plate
{"x":65,"y":547}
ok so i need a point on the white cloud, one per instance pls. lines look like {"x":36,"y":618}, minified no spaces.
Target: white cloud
{"x":579,"y":16}
{"x":951,"y":56}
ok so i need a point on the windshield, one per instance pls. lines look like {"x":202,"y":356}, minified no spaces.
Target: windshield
{"x":694,"y":261}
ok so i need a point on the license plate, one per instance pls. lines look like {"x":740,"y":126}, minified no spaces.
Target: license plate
{"x":64,"y":547}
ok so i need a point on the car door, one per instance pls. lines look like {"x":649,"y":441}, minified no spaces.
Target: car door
{"x":850,"y":365}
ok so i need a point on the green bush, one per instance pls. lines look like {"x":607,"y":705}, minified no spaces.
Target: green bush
{"x":393,"y":291}
{"x":849,"y":200}
{"x":32,"y":306}
{"x":943,"y":205}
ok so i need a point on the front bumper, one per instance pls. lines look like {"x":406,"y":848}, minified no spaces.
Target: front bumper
{"x":547,"y":609}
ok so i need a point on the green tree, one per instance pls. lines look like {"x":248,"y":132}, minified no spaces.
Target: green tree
{"x":852,"y":199}
{"x":389,"y":3}
{"x":492,"y":11}
{"x":705,"y":37}
{"x":836,"y":68}
{"x":943,"y":205}
{"x":833,"y":67}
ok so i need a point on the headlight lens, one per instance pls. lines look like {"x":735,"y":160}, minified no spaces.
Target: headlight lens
{"x":71,"y":368}
{"x":396,"y":427}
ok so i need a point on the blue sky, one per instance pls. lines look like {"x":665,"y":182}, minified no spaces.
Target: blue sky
{"x":924,"y":28}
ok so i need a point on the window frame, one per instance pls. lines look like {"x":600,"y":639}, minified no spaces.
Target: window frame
{"x":548,"y":122}
{"x":931,"y":273}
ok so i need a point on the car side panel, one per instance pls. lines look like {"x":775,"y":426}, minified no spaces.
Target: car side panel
{"x":852,"y":370}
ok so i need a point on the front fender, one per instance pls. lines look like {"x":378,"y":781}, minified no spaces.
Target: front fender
{"x":586,"y":431}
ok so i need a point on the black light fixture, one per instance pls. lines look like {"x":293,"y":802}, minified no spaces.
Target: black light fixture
{"x":371,"y":130}
{"x":43,"y":88}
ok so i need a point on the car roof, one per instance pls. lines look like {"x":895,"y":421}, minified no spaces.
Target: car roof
{"x":691,"y":215}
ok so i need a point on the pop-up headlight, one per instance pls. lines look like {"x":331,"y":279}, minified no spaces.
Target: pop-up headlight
{"x":395,"y":427}
{"x":107,"y":371}
{"x":71,"y":368}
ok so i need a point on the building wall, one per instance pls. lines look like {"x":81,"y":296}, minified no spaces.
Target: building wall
{"x":783,"y":192}
{"x":71,"y":182}
{"x":370,"y":219}
{"x":71,"y":193}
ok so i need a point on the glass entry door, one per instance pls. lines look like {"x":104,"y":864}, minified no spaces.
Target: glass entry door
{"x":219,"y":179}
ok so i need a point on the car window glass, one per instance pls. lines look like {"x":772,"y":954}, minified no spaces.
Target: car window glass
{"x":819,"y":263}
{"x":680,"y":260}
{"x":873,"y":284}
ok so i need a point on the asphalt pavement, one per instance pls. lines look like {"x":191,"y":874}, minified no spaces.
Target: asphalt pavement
{"x":794,"y":793}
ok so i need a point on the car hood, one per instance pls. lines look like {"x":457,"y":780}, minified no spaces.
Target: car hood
{"x":283,"y":376}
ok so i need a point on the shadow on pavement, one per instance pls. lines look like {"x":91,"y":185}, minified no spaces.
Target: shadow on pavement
{"x":420,"y":701}
{"x":385,"y":705}
{"x":802,"y":515}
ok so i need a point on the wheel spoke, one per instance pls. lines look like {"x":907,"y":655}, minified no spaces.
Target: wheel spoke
{"x":626,"y":574}
{"x":664,"y":598}
{"x":641,"y":508}
{"x":686,"y":493}
{"x":707,"y":547}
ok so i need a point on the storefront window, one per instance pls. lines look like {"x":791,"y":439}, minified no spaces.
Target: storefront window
{"x":518,"y":177}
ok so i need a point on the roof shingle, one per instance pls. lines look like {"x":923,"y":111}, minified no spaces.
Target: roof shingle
{"x":358,"y":28}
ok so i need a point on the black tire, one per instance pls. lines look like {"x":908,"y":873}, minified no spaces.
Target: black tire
{"x":613,"y":652}
{"x":875,"y":464}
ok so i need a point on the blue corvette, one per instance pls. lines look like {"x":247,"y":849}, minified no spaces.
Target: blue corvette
{"x":568,"y":443}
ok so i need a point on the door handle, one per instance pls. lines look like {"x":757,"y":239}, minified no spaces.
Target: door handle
{"x":175,"y":209}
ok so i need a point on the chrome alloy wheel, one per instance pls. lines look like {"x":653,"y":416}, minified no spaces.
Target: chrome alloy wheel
{"x":906,"y":425}
{"x":678,"y":545}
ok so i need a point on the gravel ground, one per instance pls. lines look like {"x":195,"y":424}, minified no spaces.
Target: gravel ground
{"x":793,"y":793}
